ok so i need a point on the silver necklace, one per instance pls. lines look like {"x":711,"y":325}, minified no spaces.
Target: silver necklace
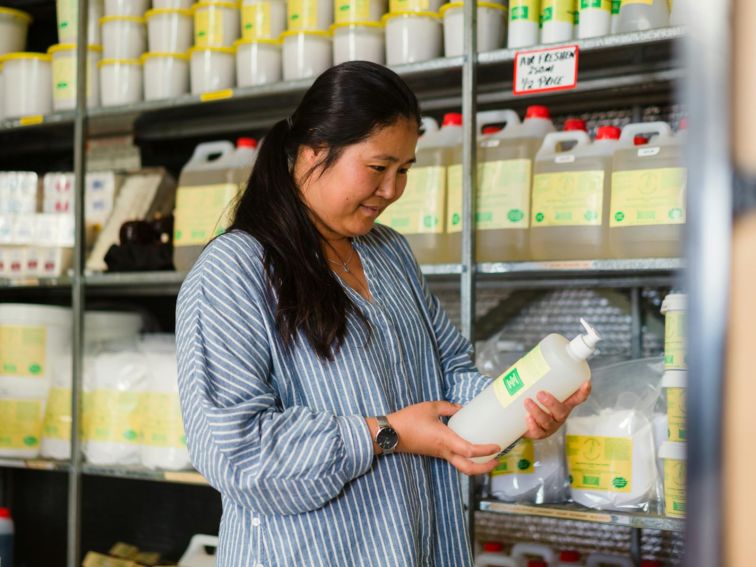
{"x":344,"y":264}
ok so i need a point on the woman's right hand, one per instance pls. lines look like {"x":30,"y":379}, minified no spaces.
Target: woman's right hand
{"x":421,"y":432}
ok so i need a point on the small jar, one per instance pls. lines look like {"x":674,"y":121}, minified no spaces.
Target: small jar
{"x":258,"y":62}
{"x":120,"y":81}
{"x":306,"y":54}
{"x":359,"y":41}
{"x":212,"y":69}
{"x":166,"y":75}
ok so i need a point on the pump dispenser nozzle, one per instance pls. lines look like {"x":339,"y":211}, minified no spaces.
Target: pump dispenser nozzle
{"x":583,"y":346}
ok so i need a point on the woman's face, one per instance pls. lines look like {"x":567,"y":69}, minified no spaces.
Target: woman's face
{"x":347,"y":198}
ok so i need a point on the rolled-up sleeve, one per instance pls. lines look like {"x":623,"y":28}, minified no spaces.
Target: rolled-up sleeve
{"x":267,"y":458}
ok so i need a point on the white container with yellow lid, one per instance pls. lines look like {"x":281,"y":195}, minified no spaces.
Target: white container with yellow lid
{"x":258,"y":62}
{"x":216,"y":24}
{"x":306,"y":53}
{"x":120,"y":81}
{"x":64,"y":75}
{"x":491,"y":27}
{"x":169,"y":31}
{"x":412,"y":37}
{"x":27,"y":83}
{"x":14,"y":25}
{"x":124,"y":37}
{"x":359,"y":41}
{"x":166,"y":75}
{"x":212,"y":69}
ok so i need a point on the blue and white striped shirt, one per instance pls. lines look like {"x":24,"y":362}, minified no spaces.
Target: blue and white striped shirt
{"x":282,"y":435}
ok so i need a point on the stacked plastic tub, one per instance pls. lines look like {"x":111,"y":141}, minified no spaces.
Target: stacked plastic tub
{"x":414,"y":31}
{"x":307,"y":42}
{"x":216,"y":27}
{"x":491,"y":27}
{"x":258,"y":52}
{"x":165,"y":66}
{"x":358,"y":32}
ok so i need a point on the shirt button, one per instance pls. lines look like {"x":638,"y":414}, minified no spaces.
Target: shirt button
{"x":255,"y":524}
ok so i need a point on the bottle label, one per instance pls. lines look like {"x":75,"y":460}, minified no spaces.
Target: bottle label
{"x":64,"y":79}
{"x":21,"y":423}
{"x":503,"y":196}
{"x":68,"y":13}
{"x":558,"y":11}
{"x":256,"y":21}
{"x":648,"y":197}
{"x":616,"y":5}
{"x":605,"y":5}
{"x":675,"y":356}
{"x":422,"y":206}
{"x":572,"y":198}
{"x":111,"y":416}
{"x":208,"y":27}
{"x":676,"y":414}
{"x":302,"y":14}
{"x":409,"y":5}
{"x":203,"y":212}
{"x":162,"y":425}
{"x":524,"y":10}
{"x":512,"y":384}
{"x":674,"y":488}
{"x":352,"y":11}
{"x":520,"y":460}
{"x":23,"y":351}
{"x":600,"y":463}
{"x":58,"y":414}
{"x":631,"y":2}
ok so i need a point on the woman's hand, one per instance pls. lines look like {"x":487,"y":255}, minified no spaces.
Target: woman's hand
{"x":542,"y":424}
{"x":421,"y":432}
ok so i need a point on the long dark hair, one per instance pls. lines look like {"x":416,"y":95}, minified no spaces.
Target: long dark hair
{"x":344,"y":106}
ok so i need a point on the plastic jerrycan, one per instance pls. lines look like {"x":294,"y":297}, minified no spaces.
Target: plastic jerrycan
{"x":606,"y":560}
{"x":208,"y":186}
{"x":497,"y":415}
{"x":647,"y":210}
{"x":641,"y":15}
{"x":493,"y":556}
{"x":524,"y":551}
{"x":570,"y":200}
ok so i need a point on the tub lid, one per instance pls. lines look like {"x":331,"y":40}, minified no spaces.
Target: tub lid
{"x":675,"y":302}
{"x":292,"y":33}
{"x":675,"y":379}
{"x":26,"y":55}
{"x":201,"y":5}
{"x":118,"y":62}
{"x":452,"y":5}
{"x":32,"y":314}
{"x":16,"y":14}
{"x":377,"y":25}
{"x":392,"y":15}
{"x":156,"y":54}
{"x":70,"y":47}
{"x":229,"y":50}
{"x":158,"y":11}
{"x":672,"y":450}
{"x":275,"y":42}
{"x":135,"y":19}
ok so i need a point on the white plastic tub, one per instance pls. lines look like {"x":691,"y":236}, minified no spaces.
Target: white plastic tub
{"x":354,"y":11}
{"x":306,"y":54}
{"x":304,"y":15}
{"x":169,"y":31}
{"x":213,"y":69}
{"x":258,"y":62}
{"x":359,"y":41}
{"x":120,"y":81}
{"x":27,"y":82}
{"x":67,"y":14}
{"x":14,"y":25}
{"x":166,"y":75}
{"x":64,"y":76}
{"x":216,"y":24}
{"x":412,"y":37}
{"x":172,"y":4}
{"x":126,"y":7}
{"x":415,"y":5}
{"x":491,"y":28}
{"x":263,"y":19}
{"x":124,"y":37}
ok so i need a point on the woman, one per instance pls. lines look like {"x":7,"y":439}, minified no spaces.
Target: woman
{"x":315,"y":367}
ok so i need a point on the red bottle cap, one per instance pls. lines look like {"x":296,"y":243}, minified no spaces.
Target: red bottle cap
{"x":572,"y":124}
{"x":5,"y":513}
{"x":640,"y":140}
{"x":651,"y":563}
{"x":492,"y":129}
{"x":246,"y":143}
{"x":537,"y":563}
{"x":452,"y":119}
{"x":570,"y":556}
{"x":608,"y":133}
{"x":537,"y":111}
{"x":492,"y":546}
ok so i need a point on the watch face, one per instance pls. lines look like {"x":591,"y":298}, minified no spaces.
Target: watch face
{"x":387,"y":439}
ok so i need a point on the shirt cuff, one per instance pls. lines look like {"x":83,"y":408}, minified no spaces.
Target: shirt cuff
{"x":358,"y":445}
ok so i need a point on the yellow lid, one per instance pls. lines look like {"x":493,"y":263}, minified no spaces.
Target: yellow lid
{"x":379,"y":25}
{"x":446,"y":7}
{"x":16,"y":14}
{"x":202,"y":5}
{"x":292,"y":33}
{"x":392,"y":15}
{"x":26,"y":55}
{"x":230,"y":50}
{"x":266,"y":41}
{"x":118,"y":62}
{"x":156,"y":54}
{"x":134,"y":19}
{"x":159,"y":11}
{"x":71,"y":47}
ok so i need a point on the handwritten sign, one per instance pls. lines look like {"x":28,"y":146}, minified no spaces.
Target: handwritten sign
{"x":542,"y":70}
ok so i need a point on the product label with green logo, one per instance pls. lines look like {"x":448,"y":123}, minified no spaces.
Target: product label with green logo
{"x":513,"y":383}
{"x":111,"y":416}
{"x":351,"y":11}
{"x":58,"y":414}
{"x":202,"y":212}
{"x":605,"y":5}
{"x":303,"y":14}
{"x":208,"y":27}
{"x":23,"y":351}
{"x":676,"y":421}
{"x":21,"y":424}
{"x":573,"y":198}
{"x":422,"y":207}
{"x":600,"y":463}
{"x":519,"y":460}
{"x":674,"y":488}
{"x":630,"y":2}
{"x":675,"y":351}
{"x":162,"y":425}
{"x":648,"y":197}
{"x":256,"y":21}
{"x":558,"y":11}
{"x":64,"y":79}
{"x":409,"y":5}
{"x":616,"y":5}
{"x":526,"y":10}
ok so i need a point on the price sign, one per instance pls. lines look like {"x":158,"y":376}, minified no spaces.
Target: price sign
{"x":543,"y":70}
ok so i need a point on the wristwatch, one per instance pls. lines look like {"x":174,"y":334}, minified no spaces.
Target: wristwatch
{"x":386,"y":438}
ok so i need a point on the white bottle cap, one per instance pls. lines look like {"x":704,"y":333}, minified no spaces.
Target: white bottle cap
{"x":583,"y":346}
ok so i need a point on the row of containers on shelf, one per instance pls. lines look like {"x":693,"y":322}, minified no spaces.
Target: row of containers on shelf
{"x":624,"y":449}
{"x":527,"y":554}
{"x":179,"y":47}
{"x":130,"y":410}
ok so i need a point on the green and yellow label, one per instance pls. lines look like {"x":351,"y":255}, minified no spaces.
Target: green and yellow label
{"x":573,"y":198}
{"x":112,"y":416}
{"x":21,"y":424}
{"x":519,"y":460}
{"x":676,"y":414}
{"x":674,"y":488}
{"x":514,"y":382}
{"x":303,"y":14}
{"x":351,"y":11}
{"x":203,"y":212}
{"x":256,"y":21}
{"x":409,"y":5}
{"x":524,"y":10}
{"x":422,"y":207}
{"x":208,"y":27}
{"x":675,"y":350}
{"x":600,"y":463}
{"x":648,"y":197}
{"x":558,"y":11}
{"x":57,"y":423}
{"x":23,"y":351}
{"x":605,"y":5}
{"x":162,"y":425}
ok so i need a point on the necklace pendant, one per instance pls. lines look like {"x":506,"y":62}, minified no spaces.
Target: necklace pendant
{"x":347,"y":270}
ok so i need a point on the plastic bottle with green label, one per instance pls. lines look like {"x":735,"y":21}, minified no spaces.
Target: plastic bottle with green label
{"x":594,"y":18}
{"x":524,"y":16}
{"x":614,"y":24}
{"x":647,"y":209}
{"x":641,"y":15}
{"x":570,"y":199}
{"x":557,"y":20}
{"x":498,"y":415}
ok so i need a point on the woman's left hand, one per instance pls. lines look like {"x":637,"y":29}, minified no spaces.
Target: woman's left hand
{"x":542,"y":423}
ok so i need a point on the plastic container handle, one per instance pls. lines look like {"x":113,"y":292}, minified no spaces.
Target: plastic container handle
{"x":509,"y":118}
{"x":203,"y":152}
{"x":630,"y":131}
{"x":198,"y":543}
{"x":523,"y":549}
{"x":428,"y":124}
{"x":553,"y":139}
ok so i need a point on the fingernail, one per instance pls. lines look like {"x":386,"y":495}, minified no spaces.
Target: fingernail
{"x":542,"y":396}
